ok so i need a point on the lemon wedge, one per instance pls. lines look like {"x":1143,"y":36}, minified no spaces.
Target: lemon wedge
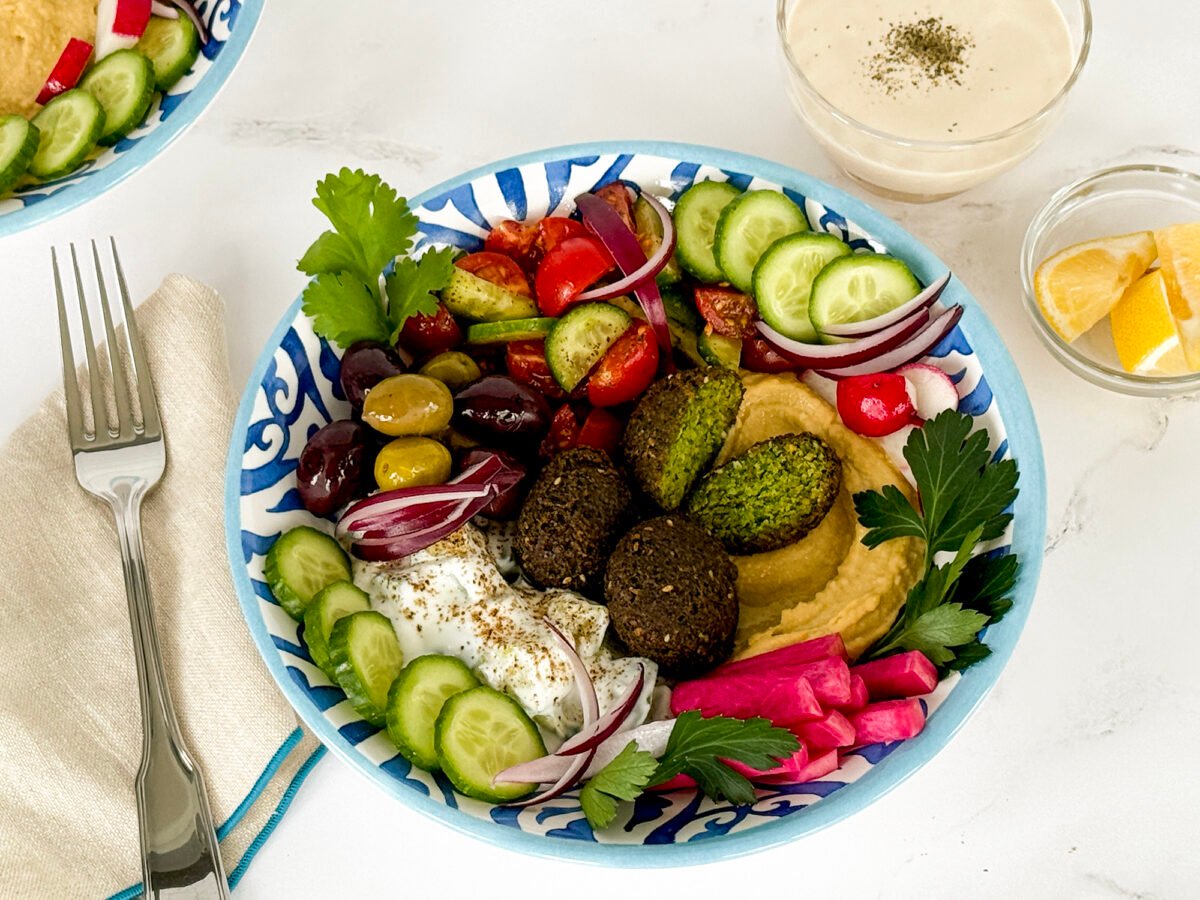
{"x":1144,"y":329}
{"x":1180,"y":252}
{"x":1079,"y":286}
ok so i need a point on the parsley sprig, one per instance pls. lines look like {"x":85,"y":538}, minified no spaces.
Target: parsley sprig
{"x":372,"y":226}
{"x":696,"y":747}
{"x":964,"y":499}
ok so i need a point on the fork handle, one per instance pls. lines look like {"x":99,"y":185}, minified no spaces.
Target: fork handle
{"x":180,"y":854}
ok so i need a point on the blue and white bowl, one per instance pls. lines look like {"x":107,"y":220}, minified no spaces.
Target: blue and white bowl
{"x":294,"y":391}
{"x":230,"y":24}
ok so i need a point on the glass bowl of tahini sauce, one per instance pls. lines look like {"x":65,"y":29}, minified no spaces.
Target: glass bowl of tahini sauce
{"x":923,"y":99}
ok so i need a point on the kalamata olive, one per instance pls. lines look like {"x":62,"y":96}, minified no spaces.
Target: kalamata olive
{"x":453,"y":368}
{"x":364,"y":365}
{"x":333,"y":467}
{"x":508,"y":504}
{"x":411,"y":462}
{"x":408,"y":404}
{"x":499,"y":407}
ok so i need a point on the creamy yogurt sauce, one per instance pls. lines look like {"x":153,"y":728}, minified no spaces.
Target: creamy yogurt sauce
{"x":934,"y":70}
{"x":451,"y":598}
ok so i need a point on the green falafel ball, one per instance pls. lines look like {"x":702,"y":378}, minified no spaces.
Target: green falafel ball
{"x":677,"y":429}
{"x":774,"y":493}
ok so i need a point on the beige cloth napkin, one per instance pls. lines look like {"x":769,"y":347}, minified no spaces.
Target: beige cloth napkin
{"x":70,"y":726}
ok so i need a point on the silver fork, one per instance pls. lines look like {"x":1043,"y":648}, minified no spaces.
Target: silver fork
{"x":120,"y":460}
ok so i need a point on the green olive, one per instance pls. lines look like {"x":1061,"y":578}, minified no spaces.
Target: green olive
{"x":408,"y":404}
{"x":411,"y":462}
{"x":453,"y":368}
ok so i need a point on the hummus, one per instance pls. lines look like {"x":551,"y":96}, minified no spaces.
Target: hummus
{"x":33,"y":34}
{"x":828,"y":580}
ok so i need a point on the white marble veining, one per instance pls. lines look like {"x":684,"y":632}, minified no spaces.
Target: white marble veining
{"x":1076,"y":778}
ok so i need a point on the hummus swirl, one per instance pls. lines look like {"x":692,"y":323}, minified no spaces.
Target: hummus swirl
{"x":33,"y":34}
{"x":828,"y":580}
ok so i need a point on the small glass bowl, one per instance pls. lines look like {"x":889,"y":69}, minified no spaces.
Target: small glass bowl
{"x":921,"y":171}
{"x":1110,"y":202}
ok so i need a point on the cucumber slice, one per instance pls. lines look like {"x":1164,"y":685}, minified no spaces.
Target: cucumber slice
{"x":18,"y":143}
{"x":860,"y":287}
{"x":480,"y":733}
{"x":123,"y":82}
{"x":416,"y":700}
{"x":696,"y":216}
{"x":719,"y":350}
{"x":649,"y":229}
{"x":747,"y":227}
{"x":783,"y":281}
{"x":366,"y":659}
{"x":331,"y":603}
{"x":472,"y":297}
{"x":300,"y":563}
{"x":510,"y":330}
{"x":576,"y":343}
{"x":70,"y":125}
{"x":172,"y":46}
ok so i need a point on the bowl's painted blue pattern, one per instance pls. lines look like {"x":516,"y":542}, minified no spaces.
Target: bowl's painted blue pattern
{"x":230,"y":23}
{"x":293,"y":391}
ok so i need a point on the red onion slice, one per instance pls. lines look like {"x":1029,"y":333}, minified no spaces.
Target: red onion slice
{"x":565,"y":782}
{"x":544,"y":770}
{"x":919,"y":345}
{"x":608,"y":724}
{"x":923,"y":300}
{"x":814,"y":356}
{"x":623,"y":244}
{"x":163,"y":11}
{"x":189,"y":10}
{"x":389,"y":504}
{"x":587,"y":690}
{"x":652,"y":266}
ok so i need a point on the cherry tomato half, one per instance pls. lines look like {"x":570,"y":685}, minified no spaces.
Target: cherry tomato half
{"x":759,"y":356}
{"x":728,"y":311}
{"x":427,"y":335}
{"x":616,"y":195}
{"x":875,"y":405}
{"x":515,"y":240}
{"x":567,"y":271}
{"x":553,"y":230}
{"x":627,"y":369}
{"x":602,"y":430}
{"x":497,"y":268}
{"x":526,"y":363}
{"x":564,"y":432}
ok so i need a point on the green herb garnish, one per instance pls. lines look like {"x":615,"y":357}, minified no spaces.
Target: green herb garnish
{"x":964,"y":500}
{"x":696,"y":747}
{"x":372,"y":226}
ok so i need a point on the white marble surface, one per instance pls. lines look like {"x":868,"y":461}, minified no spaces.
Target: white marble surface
{"x":1076,"y":777}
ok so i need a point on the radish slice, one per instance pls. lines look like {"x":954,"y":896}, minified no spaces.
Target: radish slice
{"x":841,"y":355}
{"x":67,"y":71}
{"x":916,"y":347}
{"x":653,"y":266}
{"x":608,"y":724}
{"x":623,"y":244}
{"x":932,"y":390}
{"x":923,"y":300}
{"x":163,"y":11}
{"x":119,"y":24}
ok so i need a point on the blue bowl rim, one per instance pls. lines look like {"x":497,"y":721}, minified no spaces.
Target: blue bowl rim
{"x":963,"y":700}
{"x":149,"y":147}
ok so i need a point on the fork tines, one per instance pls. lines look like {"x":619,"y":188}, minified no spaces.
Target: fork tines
{"x":129,"y":413}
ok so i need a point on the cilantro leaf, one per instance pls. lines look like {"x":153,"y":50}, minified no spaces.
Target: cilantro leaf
{"x":371,"y":227}
{"x":411,"y":287}
{"x":887,"y":515}
{"x":935,"y":631}
{"x":983,"y":503}
{"x":624,"y":778}
{"x":969,"y":654}
{"x":985,"y":583}
{"x":343,"y":310}
{"x":944,"y":457}
{"x":697,"y":746}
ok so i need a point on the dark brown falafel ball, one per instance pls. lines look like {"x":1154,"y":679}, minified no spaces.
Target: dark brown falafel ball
{"x":671,"y":595}
{"x":571,"y":519}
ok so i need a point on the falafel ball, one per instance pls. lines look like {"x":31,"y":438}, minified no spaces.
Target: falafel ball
{"x":670,"y":589}
{"x":677,"y":428}
{"x":571,"y":519}
{"x":772,"y":494}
